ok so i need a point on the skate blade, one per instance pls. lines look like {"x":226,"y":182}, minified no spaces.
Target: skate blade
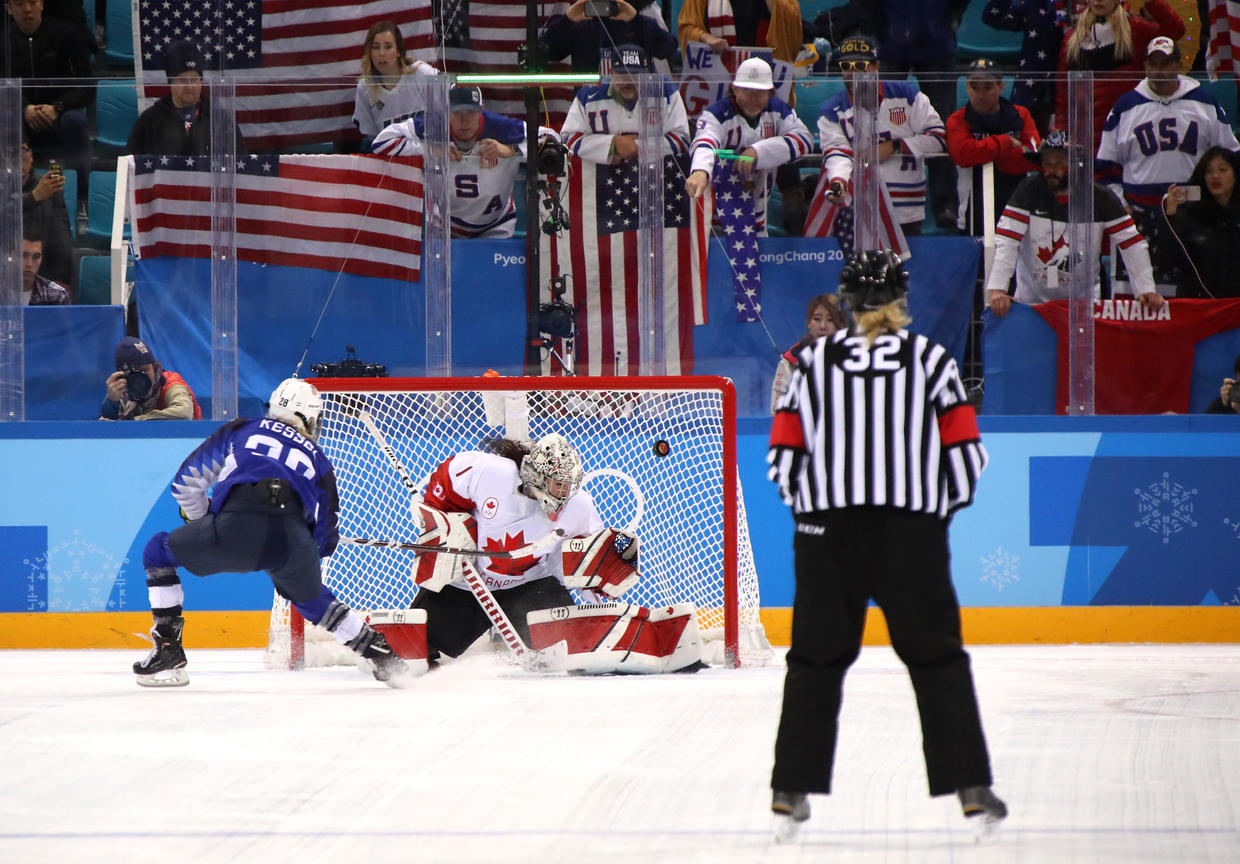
{"x":553,"y":658}
{"x":166,"y":678}
{"x":985,"y":829}
{"x":787,"y":830}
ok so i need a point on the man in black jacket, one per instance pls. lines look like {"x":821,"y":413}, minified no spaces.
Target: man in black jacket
{"x":178,"y":124}
{"x":53,"y":108}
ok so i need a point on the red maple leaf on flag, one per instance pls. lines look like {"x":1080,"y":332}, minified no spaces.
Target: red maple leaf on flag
{"x":509,"y":566}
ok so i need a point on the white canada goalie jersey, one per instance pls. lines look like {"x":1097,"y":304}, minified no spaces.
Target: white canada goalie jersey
{"x":905,"y":115}
{"x":1151,"y":141}
{"x":485,"y":485}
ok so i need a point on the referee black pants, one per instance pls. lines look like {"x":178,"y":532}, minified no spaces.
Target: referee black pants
{"x":900,"y":559}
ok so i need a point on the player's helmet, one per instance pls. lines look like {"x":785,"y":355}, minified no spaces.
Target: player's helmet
{"x":872,"y":279}
{"x":298,"y":404}
{"x":552,"y":472}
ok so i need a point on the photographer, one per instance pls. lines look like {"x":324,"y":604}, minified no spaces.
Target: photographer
{"x":140,"y":389}
{"x":1228,"y":401}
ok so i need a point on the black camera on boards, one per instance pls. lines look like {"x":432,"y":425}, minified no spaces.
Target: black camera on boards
{"x":557,"y":319}
{"x":349,"y":367}
{"x":552,"y":157}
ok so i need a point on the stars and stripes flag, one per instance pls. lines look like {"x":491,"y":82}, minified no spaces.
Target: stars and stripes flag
{"x":825,"y":219}
{"x":1223,"y":49}
{"x":599,"y":255}
{"x":277,"y":50}
{"x":731,"y":204}
{"x":357,"y":214}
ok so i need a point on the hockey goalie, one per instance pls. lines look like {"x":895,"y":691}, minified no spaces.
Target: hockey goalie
{"x":515,"y":499}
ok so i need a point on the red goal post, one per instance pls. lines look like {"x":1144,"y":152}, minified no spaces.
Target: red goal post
{"x":660,"y":460}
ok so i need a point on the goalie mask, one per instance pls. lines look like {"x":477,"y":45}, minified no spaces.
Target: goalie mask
{"x":297,"y":404}
{"x":871,"y":280}
{"x":551,"y":472}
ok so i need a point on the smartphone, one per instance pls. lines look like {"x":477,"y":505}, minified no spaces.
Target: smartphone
{"x":601,"y":9}
{"x":54,"y":168}
{"x":1192,"y":193}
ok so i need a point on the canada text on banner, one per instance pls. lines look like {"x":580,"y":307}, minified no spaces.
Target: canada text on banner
{"x":278,"y":50}
{"x":599,"y":256}
{"x":706,"y":75}
{"x":357,"y":214}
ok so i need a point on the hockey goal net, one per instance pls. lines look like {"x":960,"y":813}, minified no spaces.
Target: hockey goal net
{"x":660,"y":460}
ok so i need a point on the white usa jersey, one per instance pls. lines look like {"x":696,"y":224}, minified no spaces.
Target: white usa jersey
{"x":485,"y":485}
{"x":905,"y":115}
{"x":777,"y":135}
{"x":376,"y":107}
{"x":595,"y":117}
{"x":1151,"y":141}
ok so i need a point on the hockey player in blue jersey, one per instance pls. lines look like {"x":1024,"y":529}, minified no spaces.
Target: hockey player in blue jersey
{"x":274,"y":508}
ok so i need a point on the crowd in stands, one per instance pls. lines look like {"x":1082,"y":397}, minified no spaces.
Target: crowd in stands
{"x":1165,"y":148}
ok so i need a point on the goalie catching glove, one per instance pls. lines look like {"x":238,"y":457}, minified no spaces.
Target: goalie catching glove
{"x":451,"y":531}
{"x":605,"y":561}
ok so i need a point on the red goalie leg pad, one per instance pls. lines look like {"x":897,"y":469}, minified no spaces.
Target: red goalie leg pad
{"x":619,"y":637}
{"x":588,"y":627}
{"x":404,"y":629}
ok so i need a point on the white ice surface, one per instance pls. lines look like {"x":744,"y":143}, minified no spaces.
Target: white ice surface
{"x":1103,"y":753}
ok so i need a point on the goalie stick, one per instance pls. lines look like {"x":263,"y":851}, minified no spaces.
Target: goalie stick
{"x":535,"y":549}
{"x":535,"y":661}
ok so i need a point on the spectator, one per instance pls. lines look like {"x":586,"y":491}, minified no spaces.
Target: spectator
{"x":908,"y":130}
{"x":1224,"y":403}
{"x":36,"y":290}
{"x":587,"y":39}
{"x":612,"y":106}
{"x":1110,"y":39}
{"x":141,"y":389}
{"x":1209,"y":229}
{"x":723,"y":24}
{"x":53,"y":110}
{"x":384,"y":94}
{"x":483,"y":170}
{"x":1153,"y":138}
{"x":73,"y":13}
{"x":754,"y":123}
{"x":179,"y":123}
{"x":823,"y":317}
{"x":853,"y":18}
{"x":45,"y":213}
{"x":1032,"y":237}
{"x":1043,"y":24}
{"x":919,"y":37}
{"x":988,"y":130}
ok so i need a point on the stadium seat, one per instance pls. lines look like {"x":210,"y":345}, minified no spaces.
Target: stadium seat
{"x":118,"y":24}
{"x":94,"y":280}
{"x":1224,"y":91}
{"x":99,"y":201}
{"x":811,"y":93}
{"x":116,"y":110}
{"x":71,"y":197}
{"x":975,"y":39}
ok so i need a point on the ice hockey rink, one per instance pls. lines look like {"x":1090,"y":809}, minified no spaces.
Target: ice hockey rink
{"x":1103,"y":753}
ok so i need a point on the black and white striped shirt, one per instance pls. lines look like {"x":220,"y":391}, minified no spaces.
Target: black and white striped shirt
{"x":880,"y":425}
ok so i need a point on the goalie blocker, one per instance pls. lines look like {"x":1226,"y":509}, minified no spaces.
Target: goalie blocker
{"x":621,"y":637}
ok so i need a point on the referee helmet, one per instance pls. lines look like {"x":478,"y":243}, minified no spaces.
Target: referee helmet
{"x":872,"y":279}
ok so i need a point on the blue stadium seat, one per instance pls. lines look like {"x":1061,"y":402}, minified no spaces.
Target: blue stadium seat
{"x":118,"y":24}
{"x":116,"y":110}
{"x":1224,"y":91}
{"x":99,"y":201}
{"x":811,"y":93}
{"x":94,"y":280}
{"x":71,"y":197}
{"x":975,"y":39}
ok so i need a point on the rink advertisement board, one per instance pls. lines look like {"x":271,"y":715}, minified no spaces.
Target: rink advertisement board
{"x":1072,"y":512}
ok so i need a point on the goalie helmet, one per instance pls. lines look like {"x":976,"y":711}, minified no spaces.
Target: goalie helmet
{"x":298,"y":404}
{"x":872,"y":279}
{"x":552,"y":472}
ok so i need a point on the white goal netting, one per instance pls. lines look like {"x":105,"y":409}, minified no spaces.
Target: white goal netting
{"x":659,"y":456}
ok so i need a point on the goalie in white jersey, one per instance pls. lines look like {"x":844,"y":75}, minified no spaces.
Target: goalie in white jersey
{"x":511,"y":494}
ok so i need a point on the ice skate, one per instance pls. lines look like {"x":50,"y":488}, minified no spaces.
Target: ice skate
{"x":983,"y":809}
{"x":387,"y":666}
{"x":165,"y":665}
{"x":791,"y":809}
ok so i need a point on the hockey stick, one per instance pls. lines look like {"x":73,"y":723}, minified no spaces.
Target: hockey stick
{"x":530,"y":549}
{"x":545,"y":660}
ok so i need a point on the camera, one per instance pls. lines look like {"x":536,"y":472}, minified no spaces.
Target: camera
{"x":349,"y":367}
{"x":601,"y":9}
{"x":557,"y":318}
{"x":1192,"y":193}
{"x":138,"y":384}
{"x":552,"y":157}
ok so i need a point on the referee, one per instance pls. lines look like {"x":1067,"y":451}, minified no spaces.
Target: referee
{"x":874,"y":447}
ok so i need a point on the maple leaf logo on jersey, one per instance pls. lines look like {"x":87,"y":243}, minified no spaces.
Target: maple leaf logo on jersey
{"x":1056,"y":253}
{"x":509,"y":566}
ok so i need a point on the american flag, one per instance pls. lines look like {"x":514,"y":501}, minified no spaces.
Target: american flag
{"x":1223,"y":50}
{"x":357,"y":214}
{"x":729,"y":201}
{"x":599,"y":255}
{"x":276,"y":47}
{"x":825,"y":219}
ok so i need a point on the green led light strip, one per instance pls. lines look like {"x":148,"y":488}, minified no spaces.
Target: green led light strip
{"x":529,"y":80}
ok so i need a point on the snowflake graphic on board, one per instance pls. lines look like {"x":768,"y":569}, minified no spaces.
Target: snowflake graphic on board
{"x":1165,"y":507}
{"x":1000,"y":569}
{"x":79,"y":563}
